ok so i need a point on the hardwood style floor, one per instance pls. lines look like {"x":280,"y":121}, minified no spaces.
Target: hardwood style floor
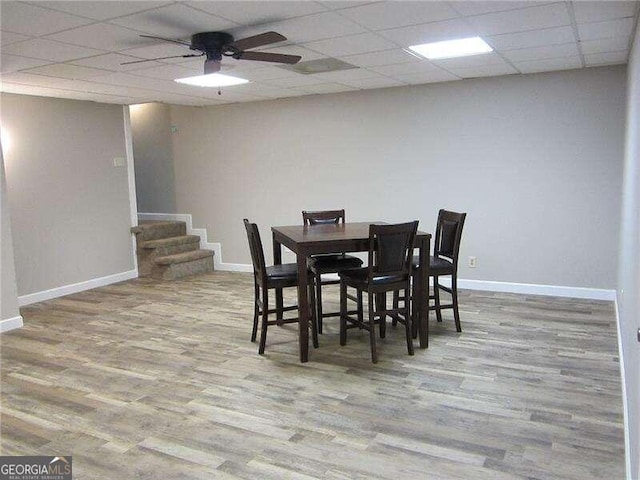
{"x":158,"y":380}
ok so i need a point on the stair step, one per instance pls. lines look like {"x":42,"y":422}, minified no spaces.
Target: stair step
{"x":155,"y":230}
{"x":170,"y":241}
{"x":183,"y":257}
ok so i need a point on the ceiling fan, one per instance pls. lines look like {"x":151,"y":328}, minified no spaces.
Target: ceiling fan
{"x":215,"y":45}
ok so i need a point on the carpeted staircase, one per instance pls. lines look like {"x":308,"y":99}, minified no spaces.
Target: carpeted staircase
{"x":166,"y":251}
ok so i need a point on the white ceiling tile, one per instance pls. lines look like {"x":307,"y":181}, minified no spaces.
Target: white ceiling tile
{"x":342,"y":4}
{"x":158,"y":49}
{"x":434,"y":76}
{"x":609,"y":29}
{"x":589,"y":12}
{"x":102,"y":36}
{"x":49,"y":50}
{"x":174,"y":21}
{"x":604,"y":45}
{"x":340,"y":75}
{"x":267,"y":73}
{"x":405,"y":68}
{"x":67,"y":71}
{"x":314,"y":27}
{"x":27,"y":19}
{"x":533,"y":18}
{"x":351,"y":45}
{"x":305,"y":53}
{"x":7,"y":38}
{"x":323,"y":88}
{"x":113,"y":61}
{"x":298,"y":80}
{"x":539,"y":53}
{"x":103,"y":9}
{"x":13,"y":63}
{"x":385,"y":15}
{"x":429,"y":32}
{"x":31,"y":79}
{"x":387,"y":57}
{"x":373,"y":82}
{"x":471,"y":61}
{"x":533,"y":38}
{"x":167,"y":72}
{"x":483,"y":71}
{"x":258,"y":12}
{"x":607,"y":58}
{"x":548,"y":65}
{"x":479,"y":7}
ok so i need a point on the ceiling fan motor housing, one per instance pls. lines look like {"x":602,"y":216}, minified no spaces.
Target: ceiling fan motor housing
{"x":213,"y":44}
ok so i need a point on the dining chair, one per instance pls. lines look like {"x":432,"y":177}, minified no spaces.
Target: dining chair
{"x":327,"y":263}
{"x":389,"y":270}
{"x":443,"y":262}
{"x":266,"y":278}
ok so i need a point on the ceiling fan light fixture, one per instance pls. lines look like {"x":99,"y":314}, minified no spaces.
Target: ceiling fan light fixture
{"x":212,"y":80}
{"x":461,"y":47}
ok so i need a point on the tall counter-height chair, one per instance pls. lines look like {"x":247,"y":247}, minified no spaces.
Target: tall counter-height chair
{"x":389,"y":270}
{"x":276,"y":276}
{"x":444,"y":261}
{"x":327,"y":263}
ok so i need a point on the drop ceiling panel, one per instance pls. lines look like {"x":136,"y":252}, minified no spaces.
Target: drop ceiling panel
{"x":49,"y":50}
{"x":174,"y":21}
{"x":533,"y":18}
{"x":429,"y":32}
{"x":63,"y":70}
{"x":385,"y":15}
{"x":483,"y":71}
{"x":113,"y":61}
{"x":7,"y":38}
{"x":614,"y":44}
{"x":433,"y":76}
{"x":341,"y":75}
{"x":101,"y":10}
{"x":469,"y":62}
{"x":13,"y":63}
{"x":609,"y":29}
{"x":405,"y":68}
{"x":548,"y":64}
{"x":373,"y":82}
{"x":28,"y":19}
{"x":607,"y":58}
{"x":480,"y":7}
{"x":387,"y":57}
{"x":102,"y":36}
{"x":589,"y":12}
{"x":532,"y":38}
{"x":323,"y":88}
{"x":167,"y":72}
{"x":350,"y":45}
{"x":255,"y":13}
{"x":553,"y":51}
{"x":318,"y":26}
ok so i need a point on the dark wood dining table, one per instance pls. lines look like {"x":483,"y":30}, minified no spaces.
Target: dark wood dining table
{"x":307,"y":240}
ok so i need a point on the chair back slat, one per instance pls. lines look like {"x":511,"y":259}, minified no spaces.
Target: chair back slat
{"x":323,"y":217}
{"x":449,"y":234}
{"x":391,"y":249}
{"x":255,"y":246}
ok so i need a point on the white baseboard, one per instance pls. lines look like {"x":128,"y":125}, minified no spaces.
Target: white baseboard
{"x":534,"y":289}
{"x":75,"y":288}
{"x":625,"y":399}
{"x":10,"y":324}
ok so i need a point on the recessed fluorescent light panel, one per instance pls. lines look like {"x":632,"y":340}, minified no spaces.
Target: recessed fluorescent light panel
{"x":462,"y":47}
{"x":212,"y":80}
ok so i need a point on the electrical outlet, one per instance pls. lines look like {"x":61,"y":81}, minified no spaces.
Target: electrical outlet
{"x":472,"y":262}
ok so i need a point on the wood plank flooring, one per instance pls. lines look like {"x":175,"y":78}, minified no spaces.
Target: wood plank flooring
{"x":150,"y":379}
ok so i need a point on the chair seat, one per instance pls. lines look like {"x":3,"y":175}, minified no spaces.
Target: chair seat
{"x":360,"y":277}
{"x":437,"y":266}
{"x":333,"y":263}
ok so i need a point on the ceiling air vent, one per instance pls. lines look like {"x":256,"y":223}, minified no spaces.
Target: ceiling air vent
{"x":322,"y":65}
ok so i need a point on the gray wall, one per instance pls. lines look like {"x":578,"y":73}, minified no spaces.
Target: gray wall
{"x":535,"y":160}
{"x":69,"y":204}
{"x":8,"y":289}
{"x":155,"y":183}
{"x":629,"y":275}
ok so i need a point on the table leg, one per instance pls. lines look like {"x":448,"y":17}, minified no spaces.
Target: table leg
{"x":277,"y":260}
{"x":423,"y":293}
{"x":303,"y":307}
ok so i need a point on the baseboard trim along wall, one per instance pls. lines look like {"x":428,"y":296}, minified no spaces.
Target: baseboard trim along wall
{"x":75,"y":288}
{"x":625,"y":398}
{"x":10,"y":324}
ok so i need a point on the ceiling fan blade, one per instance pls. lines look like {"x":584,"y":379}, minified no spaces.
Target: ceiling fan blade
{"x":211,"y":66}
{"x":179,"y":42}
{"x":164,"y":58}
{"x":258,"y":40}
{"x":268,"y":57}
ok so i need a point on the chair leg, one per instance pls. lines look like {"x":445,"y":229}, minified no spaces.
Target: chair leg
{"x":396,"y":302}
{"x":381,"y":305}
{"x":436,"y":296}
{"x":312,"y":311}
{"x":454,"y":297}
{"x":372,"y":329}
{"x":360,"y":309}
{"x":265,"y":318}
{"x":417,"y":290}
{"x":408,"y":322}
{"x":256,"y":309}
{"x":319,"y":300}
{"x":343,"y":313}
